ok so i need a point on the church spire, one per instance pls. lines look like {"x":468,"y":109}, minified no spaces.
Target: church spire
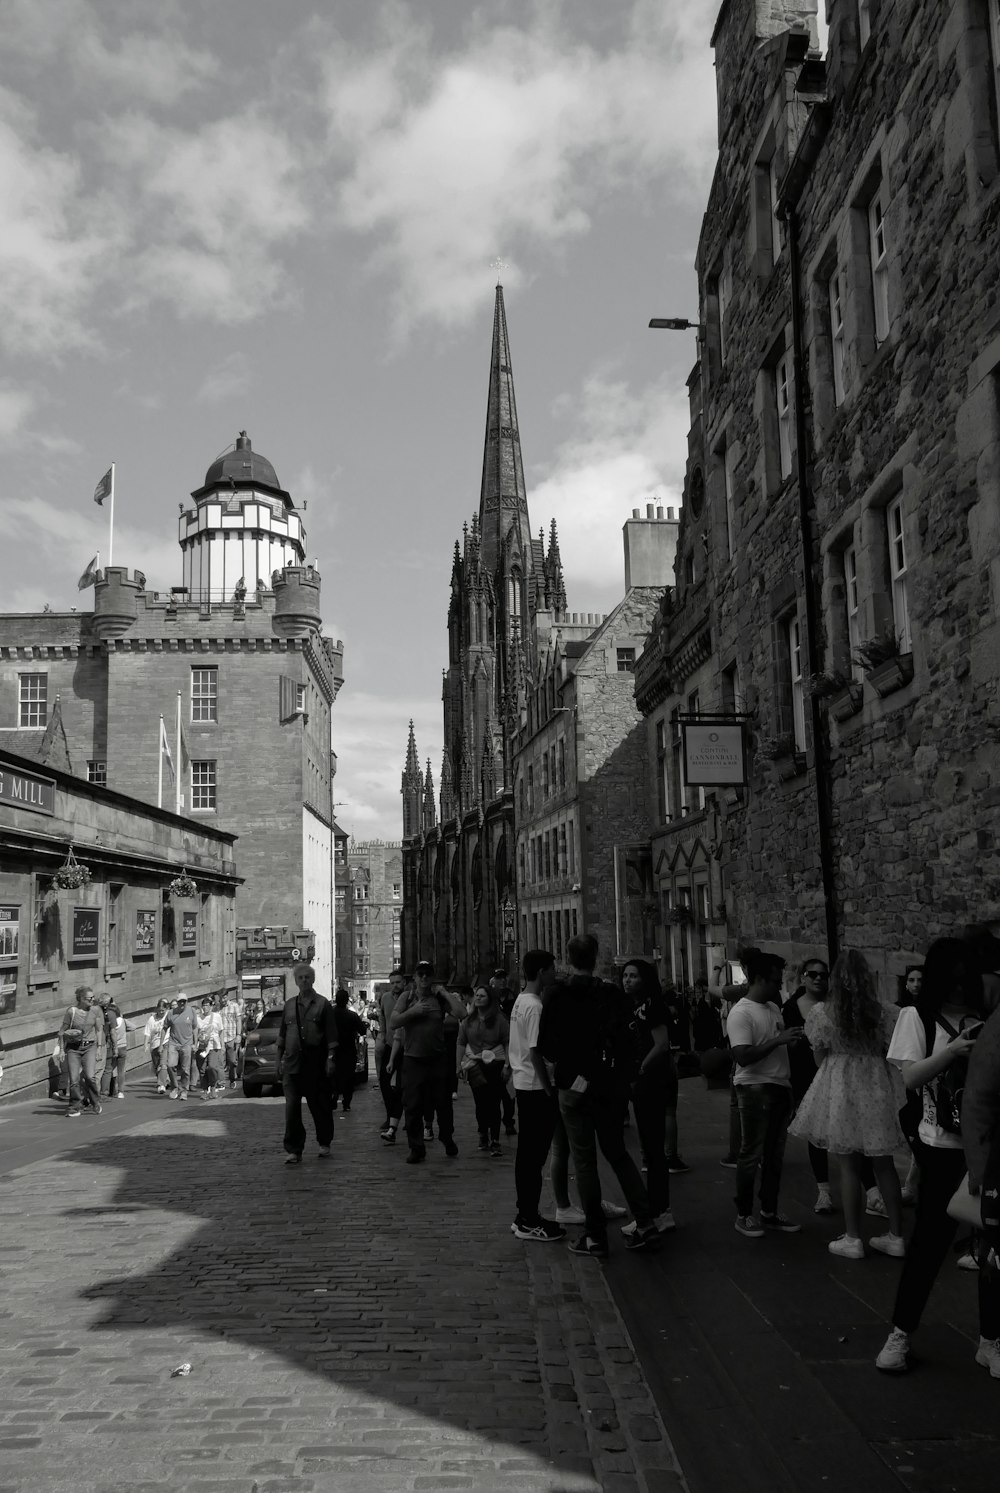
{"x":503,"y":498}
{"x":412,"y":789}
{"x":430,"y":808}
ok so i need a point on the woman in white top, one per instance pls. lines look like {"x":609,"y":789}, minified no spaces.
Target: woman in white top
{"x":207,"y":1046}
{"x":155,"y":1044}
{"x":949,"y":1011}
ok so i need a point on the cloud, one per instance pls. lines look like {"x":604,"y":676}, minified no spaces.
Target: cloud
{"x":624,"y":450}
{"x":369,"y":737}
{"x":15,"y":407}
{"x":68,"y":538}
{"x":509,"y":143}
{"x":227,"y":380}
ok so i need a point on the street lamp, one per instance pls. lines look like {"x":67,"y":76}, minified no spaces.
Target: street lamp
{"x":677,"y":324}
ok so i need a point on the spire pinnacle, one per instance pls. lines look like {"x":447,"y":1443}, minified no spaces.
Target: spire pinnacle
{"x":503,"y":498}
{"x":412,"y":760}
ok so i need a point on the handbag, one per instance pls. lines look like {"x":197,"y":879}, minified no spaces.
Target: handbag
{"x":964,"y":1207}
{"x":475,"y":1074}
{"x":716,"y":1062}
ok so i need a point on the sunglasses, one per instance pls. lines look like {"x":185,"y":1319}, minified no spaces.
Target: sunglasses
{"x":816,"y":974}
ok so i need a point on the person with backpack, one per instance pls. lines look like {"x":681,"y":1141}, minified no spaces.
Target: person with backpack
{"x":931,"y":1044}
{"x":306,"y":1052}
{"x":80,"y":1034}
{"x":419,"y":1015}
{"x":584,"y":1033}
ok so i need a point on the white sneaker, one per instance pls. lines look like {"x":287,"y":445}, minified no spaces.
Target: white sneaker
{"x":847,"y":1248}
{"x":888,"y":1244}
{"x":988,"y":1356}
{"x":874,"y":1204}
{"x":664,"y":1223}
{"x":893,"y":1357}
{"x":967,"y":1261}
{"x":570,"y":1215}
{"x":824,"y":1202}
{"x":613,"y":1210}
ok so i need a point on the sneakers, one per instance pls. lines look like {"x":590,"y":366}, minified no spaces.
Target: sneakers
{"x":664,"y":1223}
{"x":73,"y":1114}
{"x":613,"y":1210}
{"x":888,"y":1244}
{"x":967,"y":1261}
{"x":450,"y":1148}
{"x":847,"y":1248}
{"x":824,"y":1202}
{"x":428,"y":1132}
{"x":642,"y":1238}
{"x":570,"y":1215}
{"x":729,"y":1161}
{"x":182,"y":1094}
{"x":988,"y":1356}
{"x":748,"y":1226}
{"x":677,"y":1167}
{"x":412,"y":1157}
{"x":484,"y":1143}
{"x":120,"y":1094}
{"x":597,"y":1249}
{"x":324,"y":1152}
{"x":293,"y":1160}
{"x":874,"y":1204}
{"x":542,"y":1232}
{"x":388,"y":1137}
{"x":893,"y":1357}
{"x":172,"y":1093}
{"x":496,"y":1149}
{"x":97,"y":1109}
{"x":780,"y":1224}
{"x":161,"y":1088}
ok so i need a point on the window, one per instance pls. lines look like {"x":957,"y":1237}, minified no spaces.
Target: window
{"x":33,"y":701}
{"x":203,"y":787}
{"x":897,"y":574}
{"x":574,"y":922}
{"x":205,"y":694}
{"x":545,"y":775}
{"x":534,"y":862}
{"x":728,"y":470}
{"x":661,"y":772}
{"x":397,"y":891}
{"x":772,"y":191}
{"x":531,"y":789}
{"x":97,"y":772}
{"x":852,"y":607}
{"x":534,"y":928}
{"x":562,"y":763}
{"x":547,"y":848}
{"x":571,"y":837}
{"x":520,"y":864}
{"x":796,"y":681}
{"x":879,"y":263}
{"x":626,"y":660}
{"x":725,"y":289}
{"x":300,"y":698}
{"x":864,"y":22}
{"x":837,"y":335}
{"x":689,"y":572}
{"x":563,"y":852}
{"x":783,"y":406}
{"x":695,"y":795}
{"x":732,"y":700}
{"x":341,"y":900}
{"x":115,"y":949}
{"x":559,"y":938}
{"x":677,"y":801}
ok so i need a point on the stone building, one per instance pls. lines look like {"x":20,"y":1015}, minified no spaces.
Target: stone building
{"x":235,"y":662}
{"x":581,"y":811}
{"x":374,"y":908}
{"x":838,"y":573}
{"x":128,"y":929}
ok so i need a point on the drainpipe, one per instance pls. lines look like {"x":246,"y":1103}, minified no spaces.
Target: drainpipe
{"x":821,"y":757}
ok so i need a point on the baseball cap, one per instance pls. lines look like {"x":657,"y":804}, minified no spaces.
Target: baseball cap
{"x":424,"y":968}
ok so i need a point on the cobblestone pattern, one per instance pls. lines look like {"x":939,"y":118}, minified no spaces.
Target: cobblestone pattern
{"x":359,"y":1325}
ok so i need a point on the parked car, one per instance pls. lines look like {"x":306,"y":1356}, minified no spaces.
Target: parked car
{"x":260,"y":1060}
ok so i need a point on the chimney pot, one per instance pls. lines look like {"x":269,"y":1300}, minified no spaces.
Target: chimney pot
{"x":670,"y":515}
{"x":659,"y":512}
{"x":636,"y":513}
{"x":649,"y":510}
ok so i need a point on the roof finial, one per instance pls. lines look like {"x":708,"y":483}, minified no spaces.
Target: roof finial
{"x":499,"y":265}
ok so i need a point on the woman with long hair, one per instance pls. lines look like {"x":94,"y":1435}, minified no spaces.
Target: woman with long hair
{"x":851,"y":1107}
{"x":653,"y":1086}
{"x":927,"y":1045}
{"x":814,"y":980}
{"x":483,"y":1063}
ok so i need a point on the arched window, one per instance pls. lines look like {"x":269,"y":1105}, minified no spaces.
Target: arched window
{"x":477,"y":876}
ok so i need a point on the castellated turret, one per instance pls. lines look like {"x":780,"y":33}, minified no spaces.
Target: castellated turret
{"x":296,"y":601}
{"x":116,"y":600}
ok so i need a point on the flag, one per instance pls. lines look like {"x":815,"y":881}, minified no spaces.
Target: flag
{"x":165,"y":747}
{"x":105,"y":487}
{"x":89,"y":576}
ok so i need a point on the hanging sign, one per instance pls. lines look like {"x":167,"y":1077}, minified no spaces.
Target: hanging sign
{"x":714,"y":752}
{"x":86,"y":932}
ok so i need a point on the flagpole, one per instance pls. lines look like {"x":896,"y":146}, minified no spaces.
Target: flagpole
{"x":159,"y":746}
{"x":177,"y":766}
{"x":111,"y":519}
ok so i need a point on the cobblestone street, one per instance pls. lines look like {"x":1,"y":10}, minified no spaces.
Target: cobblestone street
{"x":364,"y":1325}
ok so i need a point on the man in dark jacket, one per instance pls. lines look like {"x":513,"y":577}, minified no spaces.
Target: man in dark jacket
{"x":307,"y":1050}
{"x":584,"y":1032}
{"x":350,"y":1031}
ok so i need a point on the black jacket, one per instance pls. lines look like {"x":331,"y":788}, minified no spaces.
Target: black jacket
{"x":308,"y":1033}
{"x":584,"y":1032}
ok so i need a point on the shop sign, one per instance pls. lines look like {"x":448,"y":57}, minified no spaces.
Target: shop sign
{"x":10,"y":926}
{"x":86,"y":932}
{"x":23,"y":790}
{"x":145,"y":931}
{"x":714,"y":752}
{"x":189,"y":932}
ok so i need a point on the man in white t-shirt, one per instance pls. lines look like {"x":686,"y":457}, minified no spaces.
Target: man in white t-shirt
{"x":537,"y":1104}
{"x":759,"y":1042}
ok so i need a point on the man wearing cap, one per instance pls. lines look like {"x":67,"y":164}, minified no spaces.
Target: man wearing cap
{"x":307,"y":1050}
{"x":419,"y":1015}
{"x":179,"y":1029}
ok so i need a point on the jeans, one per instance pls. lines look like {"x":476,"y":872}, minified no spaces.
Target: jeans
{"x":208,"y":1071}
{"x":158,"y":1059}
{"x":486,"y":1098}
{"x":233,"y":1060}
{"x":81,"y":1065}
{"x":507,"y":1107}
{"x":941,"y":1171}
{"x":650,"y":1098}
{"x":765,"y":1109}
{"x":537,"y":1113}
{"x":425,"y":1089}
{"x":600,"y":1121}
{"x":390,"y":1085}
{"x":179,"y":1067}
{"x":559,"y":1163}
{"x":312,"y":1085}
{"x":116,"y":1068}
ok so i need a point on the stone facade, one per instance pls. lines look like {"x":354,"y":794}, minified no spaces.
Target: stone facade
{"x":843,"y":489}
{"x":124,"y":931}
{"x":255,"y":680}
{"x":374,"y":912}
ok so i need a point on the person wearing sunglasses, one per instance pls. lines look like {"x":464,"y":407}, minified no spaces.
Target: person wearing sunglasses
{"x":814,"y":980}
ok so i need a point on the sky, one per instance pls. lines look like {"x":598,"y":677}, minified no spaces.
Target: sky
{"x":284,"y":219}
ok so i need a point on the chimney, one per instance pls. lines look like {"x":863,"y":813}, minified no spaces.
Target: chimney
{"x":650,"y":547}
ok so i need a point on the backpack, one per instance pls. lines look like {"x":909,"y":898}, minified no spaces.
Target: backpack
{"x":947,"y":1089}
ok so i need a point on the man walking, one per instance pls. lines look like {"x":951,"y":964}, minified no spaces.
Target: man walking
{"x":307,"y":1051}
{"x":584,"y":1031}
{"x":419,"y":1014}
{"x":179,"y":1027}
{"x":232,"y":1035}
{"x":350,"y":1031}
{"x":537,"y":1104}
{"x":759,"y":1042}
{"x":389,"y":1082}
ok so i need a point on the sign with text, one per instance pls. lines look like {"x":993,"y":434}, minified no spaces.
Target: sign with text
{"x":86,"y":932}
{"x":145,"y":931}
{"x":189,"y":932}
{"x":24,"y":791}
{"x":10,"y":927}
{"x":714,"y":753}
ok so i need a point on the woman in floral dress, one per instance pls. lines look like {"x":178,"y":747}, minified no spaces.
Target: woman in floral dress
{"x":852,"y":1105}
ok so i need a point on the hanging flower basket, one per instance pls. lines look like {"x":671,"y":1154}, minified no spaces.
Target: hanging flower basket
{"x":71,"y":874}
{"x":680,"y":915}
{"x":183,"y":886}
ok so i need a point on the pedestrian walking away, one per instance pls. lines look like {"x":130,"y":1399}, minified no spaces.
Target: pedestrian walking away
{"x":584,"y":1033}
{"x":306,"y":1054}
{"x":483,"y":1064}
{"x":760,"y":1045}
{"x":537,"y":1103}
{"x":79,"y":1034}
{"x":390,"y":1075}
{"x":419,"y":1015}
{"x":232,"y":1035}
{"x":931,"y":1044}
{"x":350,"y":1031}
{"x":653,"y":1084}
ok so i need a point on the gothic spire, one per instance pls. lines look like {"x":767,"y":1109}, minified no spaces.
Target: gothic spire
{"x":503,"y":498}
{"x":411,"y":789}
{"x":412,"y":760}
{"x":430,"y":808}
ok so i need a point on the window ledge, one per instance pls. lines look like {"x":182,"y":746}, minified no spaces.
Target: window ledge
{"x":38,"y":980}
{"x":116,"y":971}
